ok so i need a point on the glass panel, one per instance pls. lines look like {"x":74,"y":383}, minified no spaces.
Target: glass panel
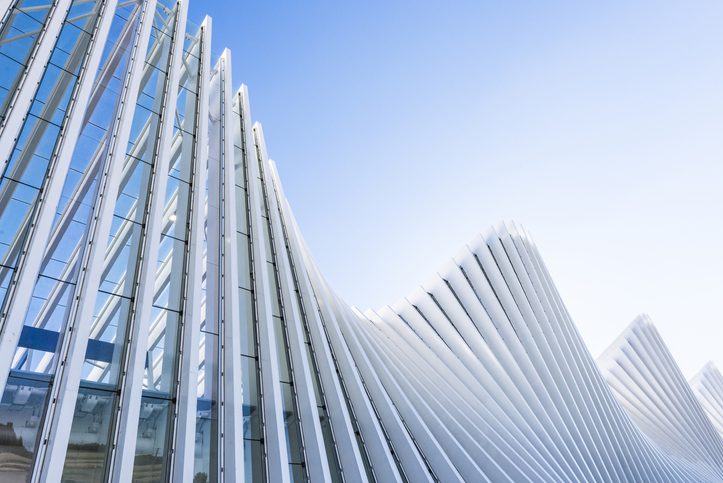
{"x":80,"y":15}
{"x":142,"y":139}
{"x":268,"y":240}
{"x":151,"y":453}
{"x":254,"y":461}
{"x":148,"y":97}
{"x":298,"y":473}
{"x":192,"y":39}
{"x":159,"y":45}
{"x":31,"y":156}
{"x":251,"y":398}
{"x":21,"y":412}
{"x":170,"y":274}
{"x":161,"y":355}
{"x":331,"y":456}
{"x":17,"y":40}
{"x":180,"y":165}
{"x":116,"y":42}
{"x":16,"y":201}
{"x":121,"y":257}
{"x":87,"y":454}
{"x":246,"y":319}
{"x":105,"y":346}
{"x":291,"y":424}
{"x":241,"y":211}
{"x":133,"y":194}
{"x":175,"y":214}
{"x":64,"y":247}
{"x":5,"y":276}
{"x":283,"y":356}
{"x":53,"y":96}
{"x":204,"y":468}
{"x":272,"y":289}
{"x":315,"y":378}
{"x":244,"y":261}
{"x":206,"y":449}
{"x":47,"y":313}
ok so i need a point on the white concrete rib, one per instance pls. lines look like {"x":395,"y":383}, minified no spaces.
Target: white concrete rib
{"x":492,"y":380}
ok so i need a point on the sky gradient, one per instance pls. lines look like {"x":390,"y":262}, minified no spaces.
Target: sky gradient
{"x":401,"y":129}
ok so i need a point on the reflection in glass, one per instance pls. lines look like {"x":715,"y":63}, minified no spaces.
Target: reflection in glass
{"x":21,"y":412}
{"x":151,"y":453}
{"x":86,"y":459}
{"x":161,"y":355}
{"x":253,"y":461}
{"x":102,"y":358}
{"x":251,"y":410}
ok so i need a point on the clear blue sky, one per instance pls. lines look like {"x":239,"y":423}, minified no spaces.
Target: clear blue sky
{"x":401,"y":129}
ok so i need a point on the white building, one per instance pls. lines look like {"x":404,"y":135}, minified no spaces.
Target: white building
{"x":162,"y":320}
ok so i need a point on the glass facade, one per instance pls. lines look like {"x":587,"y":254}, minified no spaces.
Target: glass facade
{"x":155,"y":113}
{"x":35,"y":356}
{"x":117,"y":295}
{"x":19,"y":36}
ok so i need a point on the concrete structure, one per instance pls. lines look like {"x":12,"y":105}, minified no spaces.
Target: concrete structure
{"x":161,"y":318}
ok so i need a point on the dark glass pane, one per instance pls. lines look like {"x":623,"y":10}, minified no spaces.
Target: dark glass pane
{"x":206,"y":451}
{"x":272,"y":289}
{"x":331,"y":455}
{"x":21,"y":411}
{"x":244,"y":262}
{"x":283,"y":356}
{"x":315,"y":377}
{"x":241,"y":211}
{"x":254,"y":461}
{"x":87,"y":455}
{"x":151,"y":453}
{"x":298,"y":472}
{"x":251,"y":409}
{"x":246,"y":319}
{"x":291,"y":423}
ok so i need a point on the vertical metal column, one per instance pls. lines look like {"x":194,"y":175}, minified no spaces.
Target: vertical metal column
{"x":185,"y":419}
{"x":223,"y":309}
{"x":231,"y":395}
